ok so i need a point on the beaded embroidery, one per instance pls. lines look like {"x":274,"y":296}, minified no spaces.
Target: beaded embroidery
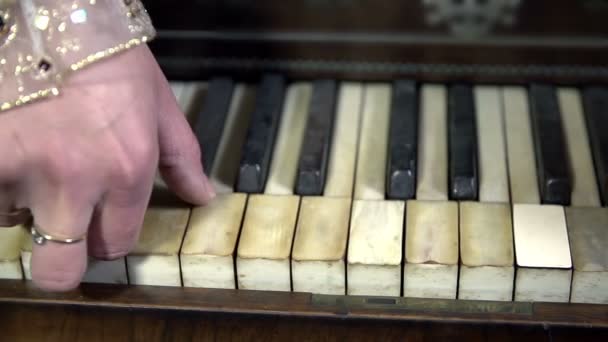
{"x":41,"y":41}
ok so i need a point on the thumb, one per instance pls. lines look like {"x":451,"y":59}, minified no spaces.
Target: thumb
{"x":180,"y":156}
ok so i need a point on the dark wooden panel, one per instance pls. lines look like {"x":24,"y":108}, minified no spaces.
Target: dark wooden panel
{"x":271,"y":304}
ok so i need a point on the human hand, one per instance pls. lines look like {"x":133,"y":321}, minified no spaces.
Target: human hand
{"x":85,"y":162}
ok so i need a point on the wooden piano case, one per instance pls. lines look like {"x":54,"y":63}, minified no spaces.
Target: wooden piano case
{"x":560,"y":41}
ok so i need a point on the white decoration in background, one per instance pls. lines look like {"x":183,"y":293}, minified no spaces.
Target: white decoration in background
{"x":471,"y":18}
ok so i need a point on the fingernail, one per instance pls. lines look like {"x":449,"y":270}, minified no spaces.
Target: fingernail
{"x":209,"y":188}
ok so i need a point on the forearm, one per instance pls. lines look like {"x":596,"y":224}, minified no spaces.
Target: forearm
{"x":43,"y":41}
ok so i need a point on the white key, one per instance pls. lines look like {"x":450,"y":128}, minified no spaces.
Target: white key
{"x":191,"y":99}
{"x":11,"y":240}
{"x":584,"y":183}
{"x":493,"y":177}
{"x":588,"y":240}
{"x":155,"y":258}
{"x":374,"y":248}
{"x":431,"y":250}
{"x":373,"y":143}
{"x":265,"y":243}
{"x":432,"y":183}
{"x":343,"y":152}
{"x":542,"y":253}
{"x":319,"y":246}
{"x":210,"y":242}
{"x":520,"y":148}
{"x":486,"y":252}
{"x":226,"y":163}
{"x":286,"y":152}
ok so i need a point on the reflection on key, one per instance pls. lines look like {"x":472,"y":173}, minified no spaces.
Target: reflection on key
{"x":315,"y":152}
{"x":588,"y":240}
{"x":462,"y":143}
{"x":403,"y":143}
{"x":542,"y":253}
{"x":261,"y":133}
{"x":595,"y":100}
{"x":551,"y":155}
{"x":432,"y":145}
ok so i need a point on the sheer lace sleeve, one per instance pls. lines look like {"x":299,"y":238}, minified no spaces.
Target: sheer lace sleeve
{"x":43,"y":41}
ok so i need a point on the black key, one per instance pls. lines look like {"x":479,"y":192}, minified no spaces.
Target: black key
{"x":261,"y":134}
{"x":595,"y":101}
{"x":403,"y":142}
{"x":317,"y":139}
{"x":210,"y":122}
{"x":550,"y":146}
{"x":462,"y":143}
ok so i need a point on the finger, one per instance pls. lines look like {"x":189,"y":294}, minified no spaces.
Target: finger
{"x":180,"y":156}
{"x":10,"y":169}
{"x":62,"y":214}
{"x":117,"y":221}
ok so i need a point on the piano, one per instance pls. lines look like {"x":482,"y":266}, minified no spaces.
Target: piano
{"x":386,"y":171}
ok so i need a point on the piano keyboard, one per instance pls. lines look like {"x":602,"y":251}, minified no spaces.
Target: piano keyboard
{"x":420,"y":190}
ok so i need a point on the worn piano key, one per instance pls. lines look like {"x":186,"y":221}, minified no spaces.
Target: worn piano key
{"x":284,"y":165}
{"x":432,"y":173}
{"x":550,"y":147}
{"x":431,"y":250}
{"x":343,"y":152}
{"x":588,"y":233}
{"x":265,"y":244}
{"x":314,"y":156}
{"x":191,"y":98}
{"x":374,"y":248}
{"x":319,"y":247}
{"x":486,"y":252}
{"x":584,"y":184}
{"x":595,"y":101}
{"x":493,"y":176}
{"x":462,"y":143}
{"x":225,"y":168}
{"x":11,"y":240}
{"x":403,"y":143}
{"x":373,"y":142}
{"x":542,"y":253}
{"x":261,"y":135}
{"x":155,"y":258}
{"x":520,"y":147}
{"x":210,"y":122}
{"x":207,"y":255}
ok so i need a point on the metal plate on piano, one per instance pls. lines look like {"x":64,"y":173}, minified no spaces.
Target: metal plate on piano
{"x":423,"y":305}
